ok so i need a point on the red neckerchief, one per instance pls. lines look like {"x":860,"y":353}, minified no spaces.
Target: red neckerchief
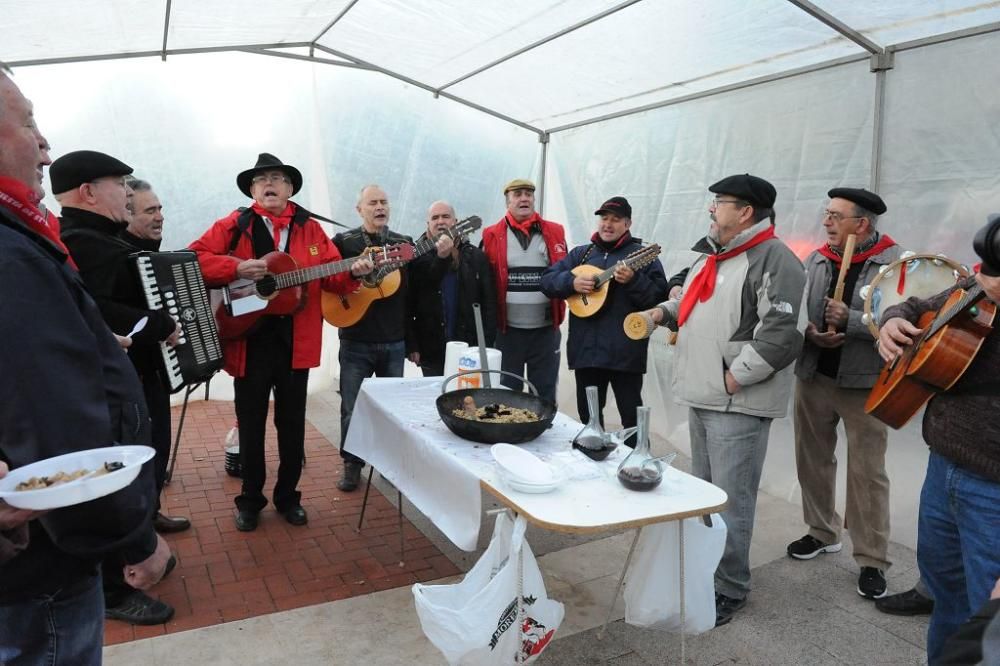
{"x":703,"y":285}
{"x":18,"y":198}
{"x":524,"y":226}
{"x":884,"y":243}
{"x":978,"y":267}
{"x":624,"y":238}
{"x":278,"y":222}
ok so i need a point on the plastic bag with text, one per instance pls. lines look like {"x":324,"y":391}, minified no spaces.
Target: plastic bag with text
{"x":652,"y":584}
{"x":475,"y":621}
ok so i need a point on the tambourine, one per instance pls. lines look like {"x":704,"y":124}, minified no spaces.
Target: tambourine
{"x":921,"y":275}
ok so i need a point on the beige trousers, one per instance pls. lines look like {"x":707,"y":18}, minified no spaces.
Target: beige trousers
{"x":819,"y":405}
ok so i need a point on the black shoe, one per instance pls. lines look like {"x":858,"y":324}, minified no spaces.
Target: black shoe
{"x":726,"y":607}
{"x":171,"y":563}
{"x":871,"y":583}
{"x":169,"y":524}
{"x":910,"y":602}
{"x":246,"y":520}
{"x":296,"y":516}
{"x":809,"y":547}
{"x":351,"y":478}
{"x":140,"y":608}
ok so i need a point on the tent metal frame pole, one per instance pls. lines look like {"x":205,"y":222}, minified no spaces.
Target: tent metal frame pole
{"x":329,"y":26}
{"x":836,"y":24}
{"x":880,"y":66}
{"x":307,"y":58}
{"x":541,"y":42}
{"x":431,"y":89}
{"x":544,"y":140}
{"x":838,"y":62}
{"x":166,"y":30}
{"x":153,"y":54}
{"x":984,"y":29}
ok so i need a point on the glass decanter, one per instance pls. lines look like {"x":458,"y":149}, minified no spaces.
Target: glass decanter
{"x":641,"y":470}
{"x":592,"y":441}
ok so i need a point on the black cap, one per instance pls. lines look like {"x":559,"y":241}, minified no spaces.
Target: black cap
{"x":864,"y":198}
{"x":268,"y":162}
{"x":616,"y":206}
{"x":83,"y":166}
{"x":755,"y":191}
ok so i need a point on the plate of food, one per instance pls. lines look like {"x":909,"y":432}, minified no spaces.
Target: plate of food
{"x":73,"y":478}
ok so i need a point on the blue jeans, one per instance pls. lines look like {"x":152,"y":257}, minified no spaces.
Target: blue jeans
{"x":358,"y":361}
{"x":64,"y":628}
{"x":728,"y":449}
{"x":958,"y":545}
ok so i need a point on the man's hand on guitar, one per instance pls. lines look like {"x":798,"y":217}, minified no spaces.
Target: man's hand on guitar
{"x":623,"y":274}
{"x":583,"y":285}
{"x":363,"y":266}
{"x":836,"y":314}
{"x":822,"y":338}
{"x":894,"y":335}
{"x":251,"y":269}
{"x":444,"y":246}
{"x":991,"y":285}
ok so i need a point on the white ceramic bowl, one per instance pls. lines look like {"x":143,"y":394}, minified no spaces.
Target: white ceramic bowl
{"x":523,"y":466}
{"x":80,"y":490}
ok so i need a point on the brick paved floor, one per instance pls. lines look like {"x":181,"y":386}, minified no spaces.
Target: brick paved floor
{"x":224,"y":575}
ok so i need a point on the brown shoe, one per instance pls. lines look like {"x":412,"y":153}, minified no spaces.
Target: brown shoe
{"x":351,"y":478}
{"x":169,"y":524}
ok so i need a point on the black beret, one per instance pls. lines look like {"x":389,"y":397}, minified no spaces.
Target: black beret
{"x":616,"y":206}
{"x":83,"y":166}
{"x":756,"y":191}
{"x":864,"y":198}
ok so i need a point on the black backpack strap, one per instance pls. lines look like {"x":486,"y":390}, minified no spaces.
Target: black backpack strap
{"x":242,"y":224}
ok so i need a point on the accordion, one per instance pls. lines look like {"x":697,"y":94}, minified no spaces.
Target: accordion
{"x":172,"y":281}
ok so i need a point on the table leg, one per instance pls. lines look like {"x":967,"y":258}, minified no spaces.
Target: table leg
{"x":680,"y":540}
{"x":402,"y":538}
{"x":618,"y":588}
{"x":364,"y":502}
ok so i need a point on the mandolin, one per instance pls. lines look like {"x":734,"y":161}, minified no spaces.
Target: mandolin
{"x":585,"y":305}
{"x":343,"y":310}
{"x":936,"y":360}
{"x":239,"y":305}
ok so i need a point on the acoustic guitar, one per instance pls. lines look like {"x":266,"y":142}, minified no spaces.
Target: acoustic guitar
{"x":239,"y":305}
{"x":936,"y":360}
{"x":343,"y":310}
{"x":585,"y":305}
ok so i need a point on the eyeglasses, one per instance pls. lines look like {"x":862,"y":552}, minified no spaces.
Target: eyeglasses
{"x":273,"y":178}
{"x":716,"y":202}
{"x":837,"y":217}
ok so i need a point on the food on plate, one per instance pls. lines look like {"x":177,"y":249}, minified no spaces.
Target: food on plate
{"x":494,"y":413}
{"x":38,"y":482}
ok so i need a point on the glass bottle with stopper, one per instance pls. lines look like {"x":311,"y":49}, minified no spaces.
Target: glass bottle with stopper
{"x":593,"y":441}
{"x":641,"y":470}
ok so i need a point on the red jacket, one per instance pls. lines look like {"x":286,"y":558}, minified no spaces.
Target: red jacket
{"x":309,"y":246}
{"x":495,"y":246}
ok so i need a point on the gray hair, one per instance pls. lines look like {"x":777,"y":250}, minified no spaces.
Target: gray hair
{"x":442,"y":201}
{"x":361,"y":194}
{"x":137,"y":184}
{"x":859,"y":211}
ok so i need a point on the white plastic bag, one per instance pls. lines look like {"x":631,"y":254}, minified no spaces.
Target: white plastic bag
{"x":475,"y":621}
{"x":652,"y":583}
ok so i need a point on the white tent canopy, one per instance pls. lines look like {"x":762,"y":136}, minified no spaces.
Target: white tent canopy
{"x":444,"y":99}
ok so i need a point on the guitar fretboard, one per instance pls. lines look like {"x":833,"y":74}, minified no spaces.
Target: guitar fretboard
{"x":971,"y":297}
{"x":638,"y":259}
{"x":303,"y":275}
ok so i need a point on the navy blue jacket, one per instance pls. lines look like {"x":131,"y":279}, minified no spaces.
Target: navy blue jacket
{"x":599,"y":341}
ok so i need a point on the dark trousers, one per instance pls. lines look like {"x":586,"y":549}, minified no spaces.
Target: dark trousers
{"x":269,"y":366}
{"x":628,"y":394}
{"x":433,"y":368}
{"x":536,"y":349}
{"x":158,"y":402}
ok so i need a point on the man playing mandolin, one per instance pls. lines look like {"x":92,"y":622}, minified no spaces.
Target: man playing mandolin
{"x":836,"y":370}
{"x":279,"y":350}
{"x":598,"y":350}
{"x":958,"y":540}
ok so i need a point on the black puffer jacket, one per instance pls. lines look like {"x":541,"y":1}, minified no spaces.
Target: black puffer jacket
{"x":425,"y":327}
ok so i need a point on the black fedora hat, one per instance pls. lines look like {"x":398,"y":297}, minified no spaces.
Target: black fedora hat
{"x":268,"y":162}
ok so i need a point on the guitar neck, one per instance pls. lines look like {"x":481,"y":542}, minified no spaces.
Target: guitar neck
{"x":303,"y":275}
{"x":971,"y":297}
{"x":633,"y":262}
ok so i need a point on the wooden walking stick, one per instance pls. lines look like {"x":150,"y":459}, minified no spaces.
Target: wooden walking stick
{"x":845,"y":264}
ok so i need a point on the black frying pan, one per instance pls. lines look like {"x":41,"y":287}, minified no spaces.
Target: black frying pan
{"x":493,"y":433}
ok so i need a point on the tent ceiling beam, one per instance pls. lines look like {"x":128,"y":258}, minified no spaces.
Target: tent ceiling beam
{"x":836,"y":24}
{"x":540,"y":42}
{"x":334,"y":22}
{"x":307,"y":58}
{"x":837,"y":62}
{"x":152,"y":54}
{"x":166,"y":30}
{"x":431,"y":89}
{"x":947,"y":37}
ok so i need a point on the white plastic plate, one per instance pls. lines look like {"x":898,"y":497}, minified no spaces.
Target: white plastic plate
{"x":79,"y":490}
{"x":532,"y":488}
{"x":523,"y":466}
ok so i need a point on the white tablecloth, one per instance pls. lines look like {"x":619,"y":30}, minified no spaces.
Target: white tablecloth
{"x":396,"y":428}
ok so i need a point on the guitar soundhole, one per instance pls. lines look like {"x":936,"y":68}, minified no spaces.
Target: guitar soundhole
{"x":266,"y":286}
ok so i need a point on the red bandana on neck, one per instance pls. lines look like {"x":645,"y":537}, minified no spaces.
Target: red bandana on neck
{"x":524,"y":226}
{"x":278,"y":222}
{"x":703,"y":285}
{"x":884,"y":243}
{"x":18,"y":198}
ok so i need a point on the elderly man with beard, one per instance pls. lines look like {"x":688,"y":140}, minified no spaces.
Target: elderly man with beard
{"x":279,"y":351}
{"x":598,"y":350}
{"x":443,"y":286}
{"x":375,"y":344}
{"x":738,"y":335}
{"x":67,"y":387}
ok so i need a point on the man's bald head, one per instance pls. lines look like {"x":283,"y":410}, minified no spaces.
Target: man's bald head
{"x":440,"y":216}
